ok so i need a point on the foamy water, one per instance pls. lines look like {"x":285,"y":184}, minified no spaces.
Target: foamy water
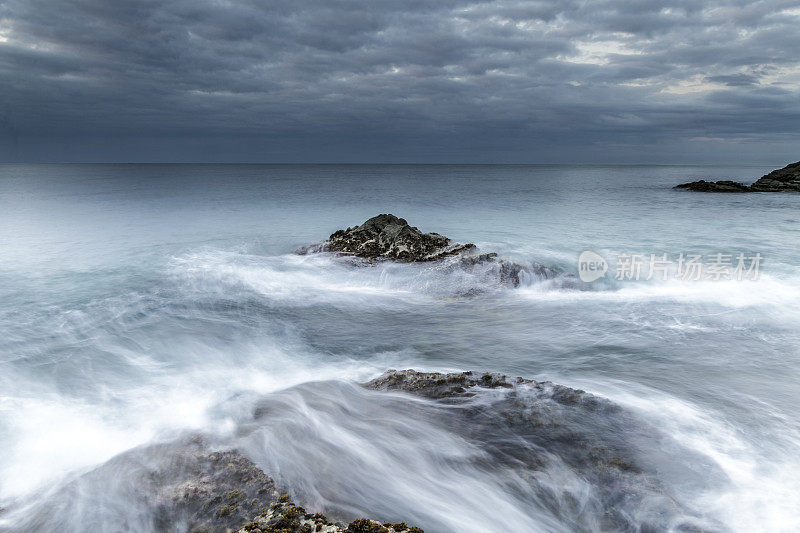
{"x":142,"y":302}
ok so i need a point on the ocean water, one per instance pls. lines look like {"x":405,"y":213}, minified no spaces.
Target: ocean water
{"x":139,"y":303}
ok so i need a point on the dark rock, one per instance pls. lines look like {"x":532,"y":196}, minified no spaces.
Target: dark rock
{"x":217,"y":491}
{"x":364,"y":525}
{"x":714,"y":186}
{"x":390,"y":237}
{"x":387,"y":237}
{"x":784,"y":179}
{"x":532,"y":428}
{"x":286,"y":517}
{"x":507,"y":272}
{"x":180,"y":486}
{"x":438,"y":386}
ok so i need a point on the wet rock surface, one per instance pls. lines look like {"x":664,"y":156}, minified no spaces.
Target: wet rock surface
{"x":387,"y":237}
{"x":286,"y":517}
{"x":531,"y":427}
{"x":182,"y":486}
{"x":217,"y":491}
{"x":570,"y":451}
{"x":784,"y":179}
{"x":508,"y":272}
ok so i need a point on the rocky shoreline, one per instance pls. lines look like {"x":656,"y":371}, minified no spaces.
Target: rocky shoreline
{"x":389,"y":237}
{"x":784,"y":179}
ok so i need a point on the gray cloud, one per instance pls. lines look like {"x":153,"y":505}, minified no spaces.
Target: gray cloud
{"x":438,"y":80}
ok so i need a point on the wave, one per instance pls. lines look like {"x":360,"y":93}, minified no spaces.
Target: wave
{"x":526,"y":456}
{"x":747,"y":482}
{"x":327,"y":278}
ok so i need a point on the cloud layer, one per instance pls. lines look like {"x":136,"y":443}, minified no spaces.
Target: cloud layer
{"x":438,"y":80}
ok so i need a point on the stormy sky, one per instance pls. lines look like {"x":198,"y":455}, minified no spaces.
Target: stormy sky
{"x":400,"y":81}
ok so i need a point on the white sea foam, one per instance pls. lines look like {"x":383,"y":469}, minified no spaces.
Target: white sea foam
{"x":755,"y":488}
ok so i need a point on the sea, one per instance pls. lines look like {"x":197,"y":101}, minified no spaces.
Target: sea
{"x":143,"y":302}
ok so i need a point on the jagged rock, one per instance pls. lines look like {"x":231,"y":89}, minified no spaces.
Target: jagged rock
{"x":389,"y":237}
{"x":215,"y":491}
{"x":714,"y":186}
{"x":436,"y":385}
{"x":784,"y":179}
{"x":286,"y":517}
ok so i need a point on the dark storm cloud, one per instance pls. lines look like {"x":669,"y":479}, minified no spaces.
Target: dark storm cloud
{"x":366,"y":80}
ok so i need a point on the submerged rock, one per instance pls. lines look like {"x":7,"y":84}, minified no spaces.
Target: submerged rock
{"x":536,"y":428}
{"x":571,"y":452}
{"x":507,"y":272}
{"x":784,"y":179}
{"x":180,"y":486}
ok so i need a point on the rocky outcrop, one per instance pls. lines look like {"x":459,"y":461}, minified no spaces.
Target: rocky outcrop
{"x":537,"y":427}
{"x":784,"y":179}
{"x":389,"y":237}
{"x":286,"y":517}
{"x":208,"y":490}
{"x":714,"y":186}
{"x":437,"y":386}
{"x":181,"y":486}
{"x":544,"y":412}
{"x":575,"y":453}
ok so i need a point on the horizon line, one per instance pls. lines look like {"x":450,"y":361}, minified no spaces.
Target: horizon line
{"x":385,"y":163}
